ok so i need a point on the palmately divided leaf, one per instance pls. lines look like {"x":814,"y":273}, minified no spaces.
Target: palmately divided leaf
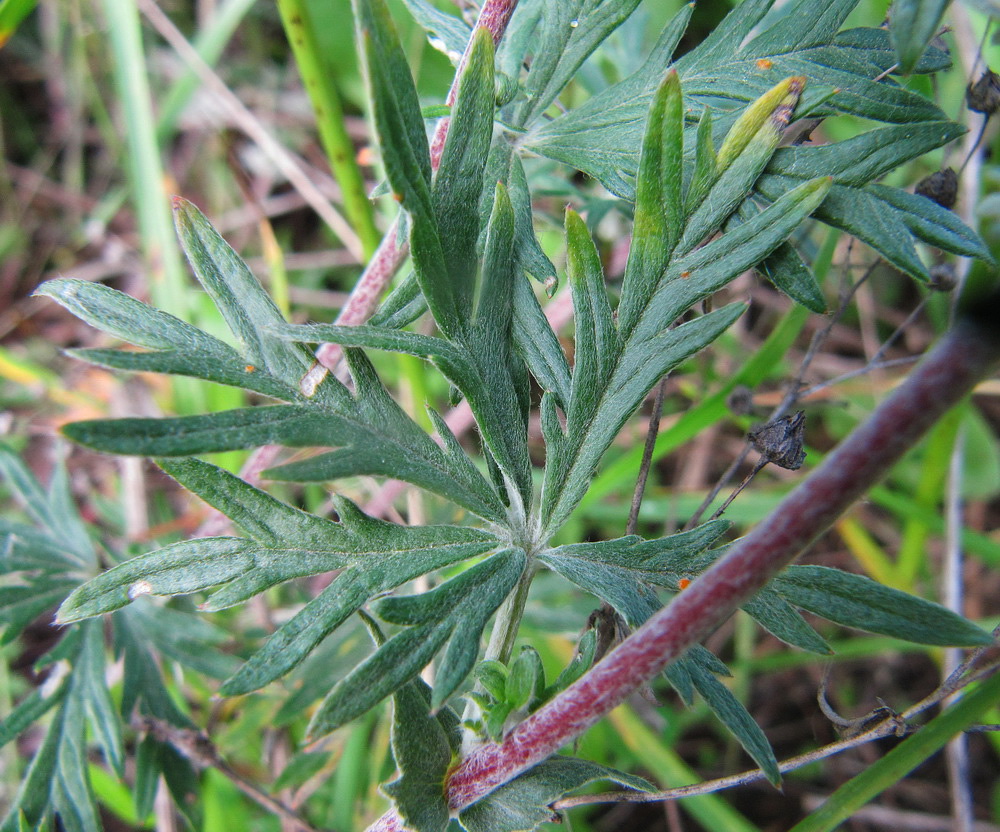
{"x":191,"y":566}
{"x":373,"y":556}
{"x":603,"y":136}
{"x":497,"y":398}
{"x":603,"y":139}
{"x":56,"y":783}
{"x":857,"y":161}
{"x":371,"y":432}
{"x":617,"y":365}
{"x":454,"y":613}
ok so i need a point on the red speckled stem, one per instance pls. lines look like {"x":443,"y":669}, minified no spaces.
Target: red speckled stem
{"x":964,"y":356}
{"x":363,"y":300}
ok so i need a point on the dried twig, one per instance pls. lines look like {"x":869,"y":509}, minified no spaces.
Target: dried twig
{"x":200,"y":750}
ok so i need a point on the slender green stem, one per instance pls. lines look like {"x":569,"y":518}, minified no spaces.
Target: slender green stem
{"x":150,"y":199}
{"x":167,"y":279}
{"x":501,"y":644}
{"x":318,"y":76}
{"x":508,"y":620}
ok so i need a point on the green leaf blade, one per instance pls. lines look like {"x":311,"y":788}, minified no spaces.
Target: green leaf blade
{"x":856,"y":601}
{"x":459,"y":180}
{"x":659,"y":206}
{"x":423,"y":754}
{"x":525,"y":802}
{"x":913,"y":24}
{"x":247,"y":308}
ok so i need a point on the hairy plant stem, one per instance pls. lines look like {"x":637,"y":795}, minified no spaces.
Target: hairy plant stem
{"x":965,"y":355}
{"x":508,"y":619}
{"x":501,"y":643}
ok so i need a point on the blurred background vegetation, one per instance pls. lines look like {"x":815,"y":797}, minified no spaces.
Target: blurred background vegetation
{"x":108,"y":108}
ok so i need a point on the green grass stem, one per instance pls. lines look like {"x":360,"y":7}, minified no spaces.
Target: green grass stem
{"x":168,"y":285}
{"x":318,"y":75}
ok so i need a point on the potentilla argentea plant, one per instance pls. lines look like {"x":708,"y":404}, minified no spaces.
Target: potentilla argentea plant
{"x":694,"y":146}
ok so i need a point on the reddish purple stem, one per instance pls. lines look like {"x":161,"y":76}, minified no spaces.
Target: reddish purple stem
{"x":964,"y":356}
{"x":494,"y":17}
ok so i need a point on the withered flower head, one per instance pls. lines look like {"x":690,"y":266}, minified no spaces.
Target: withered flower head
{"x":984,"y":95}
{"x":780,"y":441}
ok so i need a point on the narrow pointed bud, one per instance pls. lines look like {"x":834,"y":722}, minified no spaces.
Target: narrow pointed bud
{"x":767,"y":116}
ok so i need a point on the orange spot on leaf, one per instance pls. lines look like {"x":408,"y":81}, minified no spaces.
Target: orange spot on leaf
{"x":683,"y":583}
{"x":764,"y":63}
{"x":250,"y":368}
